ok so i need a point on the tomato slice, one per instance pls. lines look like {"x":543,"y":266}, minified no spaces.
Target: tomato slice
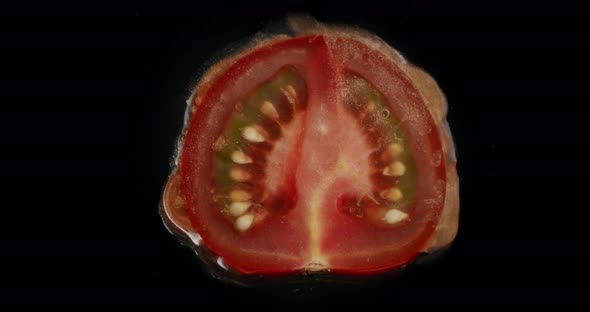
{"x":325,"y":151}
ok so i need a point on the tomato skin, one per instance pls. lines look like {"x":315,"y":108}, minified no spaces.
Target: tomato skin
{"x":277,"y":248}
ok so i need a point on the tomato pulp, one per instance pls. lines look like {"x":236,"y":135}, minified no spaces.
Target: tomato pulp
{"x":324,"y":151}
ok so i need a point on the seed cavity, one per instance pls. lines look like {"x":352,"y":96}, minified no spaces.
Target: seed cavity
{"x":393,"y":169}
{"x":396,"y":169}
{"x":393,"y":216}
{"x":238,"y":174}
{"x":239,"y":157}
{"x":252,"y":134}
{"x":392,"y":194}
{"x":244,"y":222}
{"x":238,"y":208}
{"x":239,"y":195}
{"x":269,"y":110}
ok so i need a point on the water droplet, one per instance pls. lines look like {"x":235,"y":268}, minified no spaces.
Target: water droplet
{"x":221,"y":264}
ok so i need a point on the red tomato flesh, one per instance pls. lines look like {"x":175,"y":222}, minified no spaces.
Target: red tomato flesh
{"x":316,"y":182}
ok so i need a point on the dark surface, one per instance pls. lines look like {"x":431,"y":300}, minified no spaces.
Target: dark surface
{"x":93,"y":98}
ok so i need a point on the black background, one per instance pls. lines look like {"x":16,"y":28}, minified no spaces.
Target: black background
{"x":93,"y":99}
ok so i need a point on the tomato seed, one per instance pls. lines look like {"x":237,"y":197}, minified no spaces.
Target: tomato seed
{"x":269,"y":110}
{"x":252,"y":134}
{"x":238,"y":208}
{"x":393,"y":216}
{"x":392,"y":194}
{"x":290,"y":93}
{"x":244,"y":222}
{"x":239,"y":157}
{"x":238,"y":174}
{"x":393,"y":151}
{"x":396,"y":169}
{"x":239,"y":195}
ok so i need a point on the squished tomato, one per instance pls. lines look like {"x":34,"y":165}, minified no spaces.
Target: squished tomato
{"x":321,"y":151}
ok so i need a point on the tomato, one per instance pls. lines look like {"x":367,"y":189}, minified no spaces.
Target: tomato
{"x":325,"y":151}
